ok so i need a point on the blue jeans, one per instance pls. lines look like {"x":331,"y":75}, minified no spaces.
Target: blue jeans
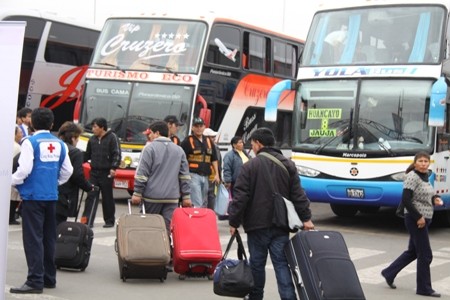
{"x":199,"y":190}
{"x":270,"y":240}
{"x":418,"y":248}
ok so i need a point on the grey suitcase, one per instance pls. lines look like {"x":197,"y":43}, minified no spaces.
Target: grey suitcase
{"x":142,"y":246}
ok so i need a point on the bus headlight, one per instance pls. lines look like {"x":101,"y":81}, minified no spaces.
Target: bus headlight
{"x":135,"y":162}
{"x":399,"y":176}
{"x":304,"y":171}
{"x":126,"y":162}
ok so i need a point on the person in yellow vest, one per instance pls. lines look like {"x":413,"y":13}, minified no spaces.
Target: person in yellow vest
{"x":201,"y":156}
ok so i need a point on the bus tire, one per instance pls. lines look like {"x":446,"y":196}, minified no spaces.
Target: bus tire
{"x":342,"y":210}
{"x":442,"y":218}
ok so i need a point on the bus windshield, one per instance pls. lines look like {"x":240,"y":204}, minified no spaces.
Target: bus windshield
{"x":151,"y":45}
{"x":131,"y":107}
{"x":388,"y":117}
{"x":376,"y":35}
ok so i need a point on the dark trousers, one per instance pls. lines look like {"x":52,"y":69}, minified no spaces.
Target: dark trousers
{"x":163,"y":209}
{"x":12,"y":210}
{"x":212,"y":186}
{"x":39,"y":237}
{"x":271,"y":241}
{"x":418,"y":248}
{"x":105,"y":183}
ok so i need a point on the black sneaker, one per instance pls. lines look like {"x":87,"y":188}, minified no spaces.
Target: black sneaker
{"x":108,"y":225}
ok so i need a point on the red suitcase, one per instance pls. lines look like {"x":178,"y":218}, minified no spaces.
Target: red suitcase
{"x":196,"y":243}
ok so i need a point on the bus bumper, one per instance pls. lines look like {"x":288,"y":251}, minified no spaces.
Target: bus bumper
{"x":374,"y":193}
{"x":124,"y":178}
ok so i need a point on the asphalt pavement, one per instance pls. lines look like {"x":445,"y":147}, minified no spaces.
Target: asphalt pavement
{"x":373,"y":242}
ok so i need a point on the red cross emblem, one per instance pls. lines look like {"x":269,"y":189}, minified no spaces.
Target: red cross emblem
{"x":51,"y":148}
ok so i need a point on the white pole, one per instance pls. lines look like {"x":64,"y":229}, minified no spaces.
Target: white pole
{"x":11,"y":46}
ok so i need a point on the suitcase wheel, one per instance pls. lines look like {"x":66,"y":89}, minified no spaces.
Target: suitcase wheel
{"x":182,"y":277}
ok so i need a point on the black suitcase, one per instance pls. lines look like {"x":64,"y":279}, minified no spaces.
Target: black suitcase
{"x":322,"y":268}
{"x":74,"y":242}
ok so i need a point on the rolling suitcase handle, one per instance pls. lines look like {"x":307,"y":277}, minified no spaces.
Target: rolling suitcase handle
{"x":94,"y":189}
{"x":129,"y":207}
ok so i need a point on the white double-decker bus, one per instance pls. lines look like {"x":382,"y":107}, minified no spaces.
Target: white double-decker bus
{"x":55,"y":56}
{"x":371,"y":91}
{"x":147,"y":67}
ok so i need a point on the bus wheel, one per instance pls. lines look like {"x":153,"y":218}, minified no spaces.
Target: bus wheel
{"x":442,"y":218}
{"x":369,"y":209}
{"x":341,"y":210}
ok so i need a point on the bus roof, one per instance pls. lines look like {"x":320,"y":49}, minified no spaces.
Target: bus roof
{"x":210,"y":18}
{"x":47,"y":16}
{"x":343,"y":4}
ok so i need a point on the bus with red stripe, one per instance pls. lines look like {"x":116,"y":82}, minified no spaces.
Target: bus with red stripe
{"x":56,"y":53}
{"x":148,"y":67}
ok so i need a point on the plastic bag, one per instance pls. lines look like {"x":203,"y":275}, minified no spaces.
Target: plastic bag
{"x":222,"y":200}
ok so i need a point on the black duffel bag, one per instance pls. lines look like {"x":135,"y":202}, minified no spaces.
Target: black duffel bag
{"x":233,"y":277}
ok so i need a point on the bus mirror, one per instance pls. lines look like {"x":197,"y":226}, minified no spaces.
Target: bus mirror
{"x":270,"y":113}
{"x":437,"y":103}
{"x":205,"y":114}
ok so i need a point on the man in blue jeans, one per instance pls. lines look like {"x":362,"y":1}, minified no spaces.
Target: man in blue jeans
{"x":252,"y":206}
{"x":201,"y":156}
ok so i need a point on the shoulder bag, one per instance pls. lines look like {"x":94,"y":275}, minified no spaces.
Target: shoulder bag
{"x":284,"y":214}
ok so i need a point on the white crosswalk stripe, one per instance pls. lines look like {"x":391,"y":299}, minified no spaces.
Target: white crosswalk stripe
{"x":442,"y":285}
{"x":372,"y":275}
{"x":360,"y":253}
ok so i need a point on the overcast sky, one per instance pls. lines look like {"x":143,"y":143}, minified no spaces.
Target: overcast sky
{"x":291,"y":17}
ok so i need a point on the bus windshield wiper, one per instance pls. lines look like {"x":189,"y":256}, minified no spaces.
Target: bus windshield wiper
{"x":350,"y":129}
{"x":385,"y":146}
{"x":158,"y":67}
{"x":111,"y":65}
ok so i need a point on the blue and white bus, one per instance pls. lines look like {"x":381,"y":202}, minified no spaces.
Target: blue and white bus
{"x":371,"y":91}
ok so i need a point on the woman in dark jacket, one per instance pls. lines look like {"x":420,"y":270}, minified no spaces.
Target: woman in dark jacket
{"x":68,"y":192}
{"x":233,"y":161}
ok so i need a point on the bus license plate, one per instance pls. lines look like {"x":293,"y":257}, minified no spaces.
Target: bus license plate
{"x":121,"y":184}
{"x":355,"y":193}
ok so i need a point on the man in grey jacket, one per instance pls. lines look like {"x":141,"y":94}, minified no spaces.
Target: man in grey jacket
{"x":162,"y":175}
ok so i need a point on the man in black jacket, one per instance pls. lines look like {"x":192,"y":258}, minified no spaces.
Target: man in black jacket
{"x":103,"y":150}
{"x":252,"y":206}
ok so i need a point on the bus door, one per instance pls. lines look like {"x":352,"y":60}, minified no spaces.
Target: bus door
{"x":441,"y":167}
